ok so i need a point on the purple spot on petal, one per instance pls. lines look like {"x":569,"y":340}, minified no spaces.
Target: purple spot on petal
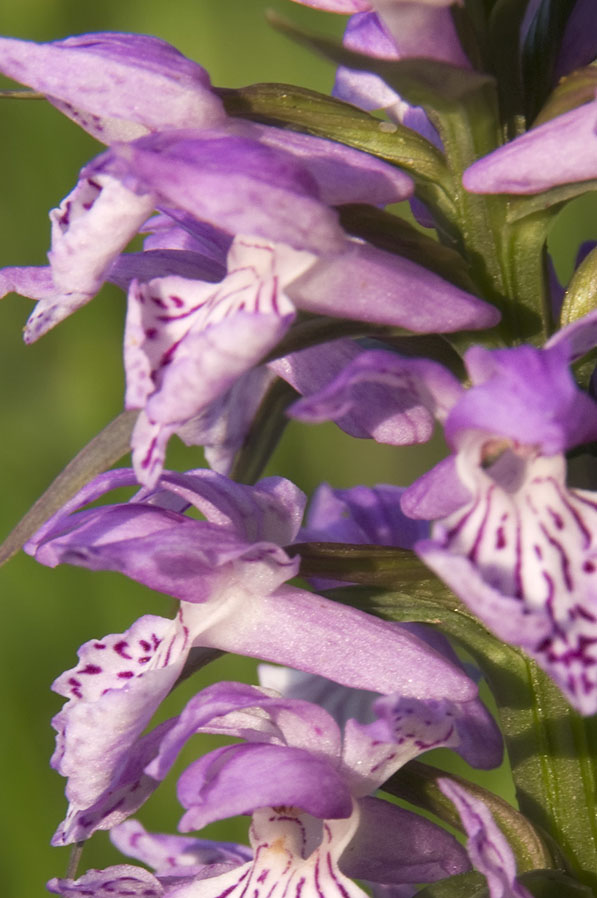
{"x":126,"y":674}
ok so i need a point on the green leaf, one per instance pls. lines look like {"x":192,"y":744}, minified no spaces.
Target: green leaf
{"x":581,"y":294}
{"x":572,"y":91}
{"x":421,"y":81}
{"x":552,"y":750}
{"x":315,"y":113}
{"x":104,"y":450}
{"x":417,"y":784}
{"x":266,"y":429}
{"x":21,"y":95}
{"x":370,"y":565}
{"x":465,"y":885}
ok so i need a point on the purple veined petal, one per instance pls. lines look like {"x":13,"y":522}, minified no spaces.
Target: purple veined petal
{"x":112,"y":694}
{"x":526,"y":395}
{"x":128,"y":789}
{"x":561,"y":151}
{"x":116,"y":86}
{"x":255,"y":715}
{"x":397,"y":397}
{"x":249,"y":712}
{"x":239,"y":779}
{"x":488,"y":849}
{"x":393,"y":845}
{"x":174,"y":229}
{"x":300,"y":629}
{"x":437,"y":494}
{"x":577,"y":338}
{"x":368,"y":284}
{"x":343,"y":174}
{"x":187,"y":343}
{"x":521,"y":554}
{"x":294,"y":854}
{"x":233,"y":182}
{"x":175,"y":855}
{"x":119,"y":880}
{"x":404,"y":729}
{"x":167,"y":312}
{"x":479,"y":739}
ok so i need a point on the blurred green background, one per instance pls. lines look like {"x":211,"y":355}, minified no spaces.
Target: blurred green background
{"x":58,"y":393}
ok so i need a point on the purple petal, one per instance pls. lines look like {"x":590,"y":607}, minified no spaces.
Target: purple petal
{"x":242,"y":711}
{"x":155,"y":263}
{"x":423,"y":29}
{"x":340,"y":701}
{"x":238,"y":779}
{"x":175,"y":855}
{"x":579,"y":42}
{"x":232,"y":182}
{"x":527,"y":395}
{"x":438,"y":493}
{"x":116,"y":86}
{"x":561,"y":151}
{"x":361,"y":515}
{"x":397,"y":397}
{"x":344,"y":175}
{"x":488,"y":849}
{"x":300,"y":629}
{"x":577,"y":338}
{"x":368,"y":284}
{"x":424,"y":852}
{"x":120,"y":880}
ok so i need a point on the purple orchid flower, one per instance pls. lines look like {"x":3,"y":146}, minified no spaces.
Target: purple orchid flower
{"x":116,"y":86}
{"x":307,"y":786}
{"x":229,"y":572}
{"x":510,"y":538}
{"x":487,"y":847}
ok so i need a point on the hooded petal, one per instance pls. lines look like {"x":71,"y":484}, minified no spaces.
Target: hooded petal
{"x":116,"y":86}
{"x":562,"y":151}
{"x":233,"y":182}
{"x":367,"y":284}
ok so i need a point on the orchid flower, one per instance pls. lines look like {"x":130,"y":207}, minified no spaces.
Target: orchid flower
{"x":307,"y":787}
{"x":229,"y":572}
{"x":510,"y":538}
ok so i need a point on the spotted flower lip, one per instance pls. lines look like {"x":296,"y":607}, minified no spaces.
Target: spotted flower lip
{"x":116,"y":86}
